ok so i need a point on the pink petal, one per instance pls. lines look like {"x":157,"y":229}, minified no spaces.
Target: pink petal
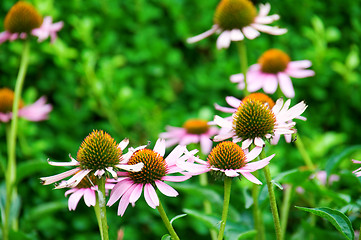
{"x":232,"y":101}
{"x":259,"y":142}
{"x":224,"y":40}
{"x":236,"y":78}
{"x":270,"y":83}
{"x":4,"y":36}
{"x":119,"y":190}
{"x":203,"y":35}
{"x":58,"y":177}
{"x":160,"y":147}
{"x":89,"y":197}
{"x":253,"y":153}
{"x":189,"y":138}
{"x":286,"y":85}
{"x":166,"y":189}
{"x":231,"y":173}
{"x":74,"y":199}
{"x":269,"y":29}
{"x":224,"y":109}
{"x":250,"y":32}
{"x":175,"y":178}
{"x":251,"y":178}
{"x":275,"y":139}
{"x":206,"y":144}
{"x":172,"y":158}
{"x":300,"y":73}
{"x":136,"y":193}
{"x":37,"y":111}
{"x":246,"y":143}
{"x":123,"y":144}
{"x":236,"y":35}
{"x":124,"y":201}
{"x":264,"y":9}
{"x":300,"y":64}
{"x":151,"y":196}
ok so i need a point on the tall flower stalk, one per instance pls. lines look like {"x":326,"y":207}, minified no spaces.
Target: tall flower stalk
{"x":166,"y":222}
{"x":272,"y":199}
{"x":227,"y":196}
{"x":11,"y":165}
{"x":100,"y":210}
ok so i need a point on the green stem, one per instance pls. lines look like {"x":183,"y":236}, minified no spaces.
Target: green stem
{"x":242,"y":51}
{"x":11,"y":167}
{"x":272,"y":199}
{"x":301,"y":148}
{"x":227,"y":196}
{"x":166,"y":222}
{"x":285,"y":208}
{"x":256,"y":211}
{"x":97,"y":214}
{"x":102,"y":208}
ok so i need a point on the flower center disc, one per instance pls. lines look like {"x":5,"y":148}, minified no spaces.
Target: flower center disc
{"x":22,"y":17}
{"x":196,"y":126}
{"x":263,"y":98}
{"x":274,"y":61}
{"x":227,"y":155}
{"x":7,"y":100}
{"x":98,"y":151}
{"x":85,"y":183}
{"x":253,"y":119}
{"x":154,"y":168}
{"x":234,"y":14}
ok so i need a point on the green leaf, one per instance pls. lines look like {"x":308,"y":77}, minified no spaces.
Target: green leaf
{"x":337,"y":218}
{"x":166,"y":237}
{"x":211,"y":222}
{"x":334,"y":160}
{"x":29,"y":168}
{"x":176,"y":217}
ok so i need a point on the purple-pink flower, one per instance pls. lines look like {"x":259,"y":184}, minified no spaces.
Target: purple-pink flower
{"x":274,"y":68}
{"x":230,"y":159}
{"x":193,"y":131}
{"x":23,"y":19}
{"x":235,"y":20}
{"x":156,"y":170}
{"x":35,"y":112}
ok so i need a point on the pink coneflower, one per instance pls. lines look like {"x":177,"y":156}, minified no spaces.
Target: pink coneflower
{"x":253,"y":121}
{"x":87,"y":189}
{"x":236,"y":19}
{"x":35,"y":112}
{"x":23,"y":19}
{"x":193,"y":131}
{"x":97,"y":155}
{"x":156,"y":170}
{"x":229,"y":159}
{"x":274,"y":68}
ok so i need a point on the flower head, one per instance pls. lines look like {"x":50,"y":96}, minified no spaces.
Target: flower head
{"x":228,"y":159}
{"x":193,"y":131}
{"x":87,"y":189}
{"x":23,"y":19}
{"x":37,"y":111}
{"x":156,"y":170}
{"x":253,"y":121}
{"x":236,"y":19}
{"x":274,"y":67}
{"x":97,"y":155}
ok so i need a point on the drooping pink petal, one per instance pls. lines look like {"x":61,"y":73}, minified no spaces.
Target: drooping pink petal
{"x":203,"y":35}
{"x":250,"y":32}
{"x":232,"y":101}
{"x":288,"y":138}
{"x":236,"y":35}
{"x":300,"y":64}
{"x":224,"y":109}
{"x":175,"y":154}
{"x":236,"y":78}
{"x":264,"y":9}
{"x":131,"y":168}
{"x":73,"y":162}
{"x":123,"y":144}
{"x":89,"y":197}
{"x":206,"y":144}
{"x":74,"y":199}
{"x":5,"y":117}
{"x":259,"y":142}
{"x":124,"y":201}
{"x":296,"y":73}
{"x":166,"y":189}
{"x":286,"y":85}
{"x":136,"y":193}
{"x":270,"y":83}
{"x":253,"y":153}
{"x":246,"y":143}
{"x":190,"y":138}
{"x":58,"y":177}
{"x":37,"y":111}
{"x":251,"y":178}
{"x":74,"y":180}
{"x":151,"y":196}
{"x":269,"y":29}
{"x":251,"y":167}
{"x":275,"y":138}
{"x":4,"y":36}
{"x":118,"y":190}
{"x":224,"y":40}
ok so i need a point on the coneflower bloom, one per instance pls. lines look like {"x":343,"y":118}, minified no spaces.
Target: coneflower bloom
{"x":274,"y":68}
{"x":35,"y":112}
{"x":193,"y":131}
{"x":156,"y":170}
{"x":254,"y":121}
{"x":237,"y":19}
{"x":23,"y":19}
{"x":227,"y":159}
{"x":97,"y":155}
{"x":86,"y":189}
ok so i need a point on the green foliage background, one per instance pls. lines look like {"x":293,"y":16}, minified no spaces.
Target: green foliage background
{"x":125,"y":67}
